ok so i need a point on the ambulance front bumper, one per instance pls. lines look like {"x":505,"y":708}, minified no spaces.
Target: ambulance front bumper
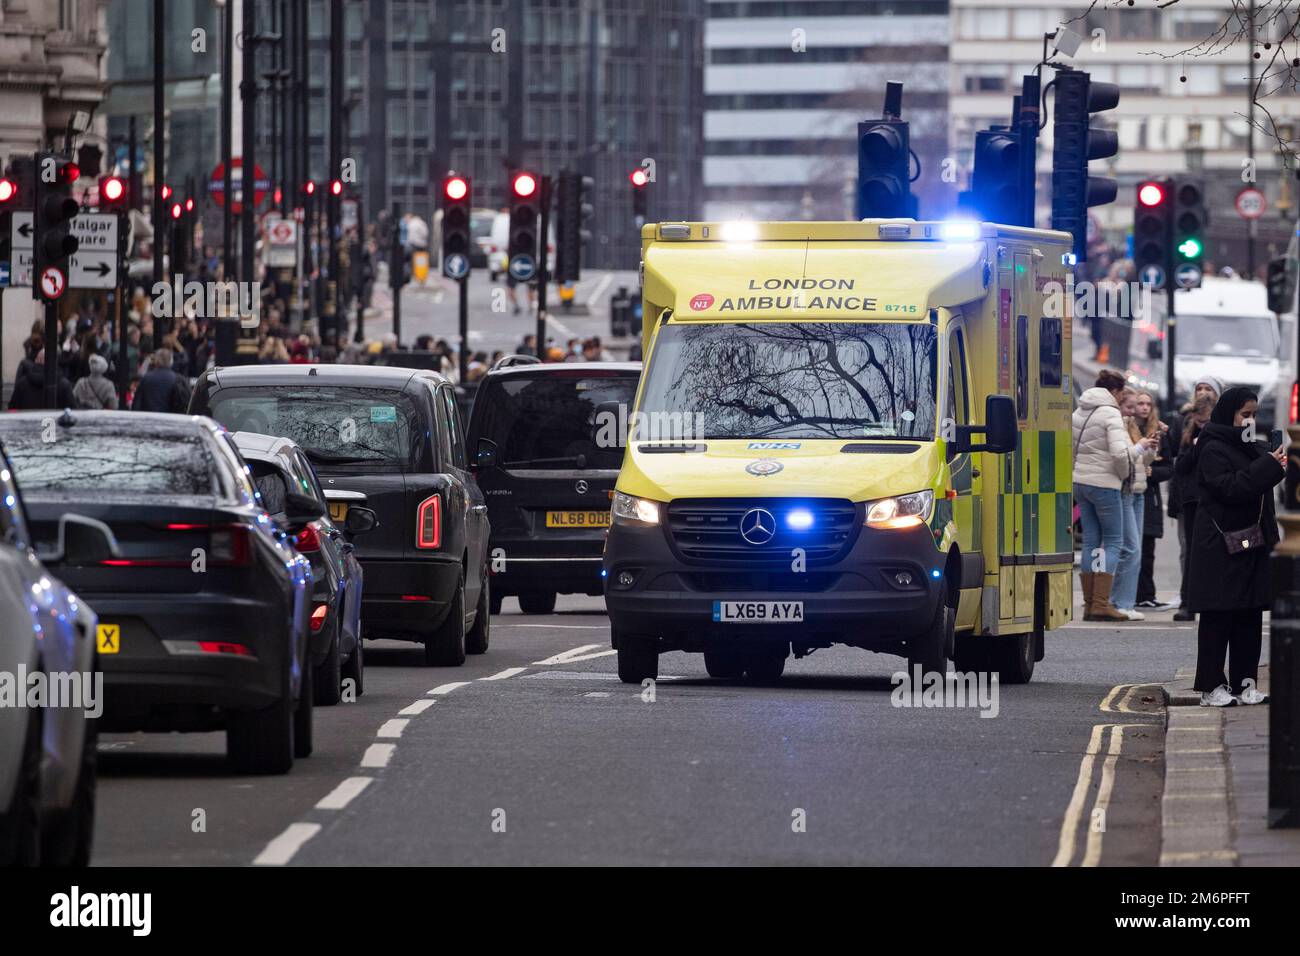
{"x":883,"y":590}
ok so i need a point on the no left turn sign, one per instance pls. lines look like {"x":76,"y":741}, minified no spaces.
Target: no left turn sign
{"x":53,"y":282}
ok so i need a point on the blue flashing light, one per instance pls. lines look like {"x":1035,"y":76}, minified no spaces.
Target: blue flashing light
{"x":604,"y":573}
{"x":958,"y":230}
{"x":935,"y":573}
{"x":800,"y":519}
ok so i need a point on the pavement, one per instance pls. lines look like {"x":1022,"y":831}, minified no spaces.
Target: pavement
{"x":1214,"y":811}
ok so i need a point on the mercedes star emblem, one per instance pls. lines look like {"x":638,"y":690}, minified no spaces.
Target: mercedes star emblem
{"x":757,"y":526}
{"x":580,"y":486}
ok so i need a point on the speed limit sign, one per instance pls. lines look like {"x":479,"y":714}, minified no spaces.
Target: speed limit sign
{"x":1250,"y":203}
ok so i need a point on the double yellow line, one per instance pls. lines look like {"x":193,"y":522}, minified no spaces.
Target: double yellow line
{"x":1107,"y":740}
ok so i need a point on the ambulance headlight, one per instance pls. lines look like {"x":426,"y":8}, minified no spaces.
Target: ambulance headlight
{"x":629,"y":509}
{"x":905,"y":511}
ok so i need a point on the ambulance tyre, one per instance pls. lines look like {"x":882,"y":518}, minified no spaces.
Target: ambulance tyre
{"x":931,"y":648}
{"x":1014,"y":658}
{"x":638,"y":657}
{"x":724,"y":665}
{"x":765,"y":666}
{"x":972,"y":654}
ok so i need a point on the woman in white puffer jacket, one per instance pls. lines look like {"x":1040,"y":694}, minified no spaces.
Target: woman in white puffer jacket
{"x":1103,"y":462}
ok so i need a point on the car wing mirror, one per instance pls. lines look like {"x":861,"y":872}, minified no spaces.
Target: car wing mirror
{"x":486,"y":455}
{"x":360,"y":520}
{"x":300,"y":511}
{"x":82,"y":541}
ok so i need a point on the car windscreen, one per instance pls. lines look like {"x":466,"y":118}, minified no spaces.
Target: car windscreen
{"x":116,"y":461}
{"x":334,"y":425}
{"x":787,"y":380}
{"x":1227,"y":335}
{"x":546,"y":421}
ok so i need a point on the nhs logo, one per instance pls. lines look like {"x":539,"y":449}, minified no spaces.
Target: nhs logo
{"x":774,"y":445}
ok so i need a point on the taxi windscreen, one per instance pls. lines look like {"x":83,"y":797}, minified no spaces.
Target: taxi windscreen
{"x":797,"y":380}
{"x":335,"y":425}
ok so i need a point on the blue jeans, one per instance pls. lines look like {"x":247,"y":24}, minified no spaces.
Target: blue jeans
{"x":1103,"y":527}
{"x":1123,"y":592}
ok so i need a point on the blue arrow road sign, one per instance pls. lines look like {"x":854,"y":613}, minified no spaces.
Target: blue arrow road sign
{"x":522,"y":267}
{"x":456,"y":265}
{"x":4,"y":273}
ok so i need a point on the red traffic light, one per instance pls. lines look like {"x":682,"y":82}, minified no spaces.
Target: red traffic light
{"x":456,"y":188}
{"x":525,"y":184}
{"x":189,"y":205}
{"x":69,"y":173}
{"x":639,"y":177}
{"x":166,"y":191}
{"x":1151,"y":194}
{"x":336,"y":187}
{"x":8,"y":190}
{"x":111,"y":190}
{"x":310,"y":188}
{"x":176,"y":210}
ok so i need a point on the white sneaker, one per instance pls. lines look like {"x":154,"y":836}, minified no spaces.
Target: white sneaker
{"x":1221,"y":696}
{"x":1249,"y":695}
{"x":1131,"y":614}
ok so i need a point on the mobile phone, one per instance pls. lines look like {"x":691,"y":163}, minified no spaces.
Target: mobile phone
{"x":1275,"y":439}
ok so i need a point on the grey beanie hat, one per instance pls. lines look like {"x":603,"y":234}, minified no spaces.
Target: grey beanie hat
{"x":98,"y":365}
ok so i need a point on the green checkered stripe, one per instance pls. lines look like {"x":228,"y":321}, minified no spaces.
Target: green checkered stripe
{"x":1045,"y":502}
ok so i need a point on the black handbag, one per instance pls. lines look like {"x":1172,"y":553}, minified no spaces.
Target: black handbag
{"x":1245,"y":540}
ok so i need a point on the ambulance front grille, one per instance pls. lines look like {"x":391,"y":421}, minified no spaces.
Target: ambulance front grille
{"x":709,"y":530}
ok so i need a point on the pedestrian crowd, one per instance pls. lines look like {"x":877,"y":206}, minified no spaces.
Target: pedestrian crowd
{"x":1221,"y":477}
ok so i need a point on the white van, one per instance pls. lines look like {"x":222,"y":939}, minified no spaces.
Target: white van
{"x":1226,"y":330}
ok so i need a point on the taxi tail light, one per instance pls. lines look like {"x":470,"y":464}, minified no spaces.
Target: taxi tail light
{"x":318,"y":617}
{"x":1295,"y":402}
{"x":307,"y":540}
{"x":428,"y":523}
{"x":225,"y":647}
{"x":228,"y":546}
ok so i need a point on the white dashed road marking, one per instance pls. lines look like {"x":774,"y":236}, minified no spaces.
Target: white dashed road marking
{"x":419,"y":707}
{"x":281,"y":850}
{"x":378,"y":755}
{"x":448,"y":688}
{"x":565,"y":656}
{"x":392,"y":728}
{"x":508,"y":672}
{"x":342,"y":795}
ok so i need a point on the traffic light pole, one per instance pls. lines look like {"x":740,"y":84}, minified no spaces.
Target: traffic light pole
{"x":543,"y":266}
{"x":463,"y":322}
{"x":1171,"y":337}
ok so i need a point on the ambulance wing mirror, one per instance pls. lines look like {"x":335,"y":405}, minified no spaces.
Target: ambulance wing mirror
{"x":999,"y":428}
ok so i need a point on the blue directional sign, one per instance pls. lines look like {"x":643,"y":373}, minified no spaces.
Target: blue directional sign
{"x":1188,"y":275}
{"x":456,"y":265}
{"x":522,"y":267}
{"x":4,"y":273}
{"x":1154,"y":276}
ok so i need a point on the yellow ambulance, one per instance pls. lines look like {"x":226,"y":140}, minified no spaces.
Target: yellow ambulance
{"x":846,"y":432}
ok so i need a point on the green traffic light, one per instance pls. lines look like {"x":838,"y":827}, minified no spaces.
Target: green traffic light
{"x":1190,"y":248}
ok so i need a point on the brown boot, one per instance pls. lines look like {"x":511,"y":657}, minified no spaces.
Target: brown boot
{"x":1085,"y":579}
{"x":1100,"y":608}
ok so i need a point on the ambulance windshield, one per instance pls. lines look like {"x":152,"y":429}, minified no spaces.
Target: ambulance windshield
{"x":796,"y":380}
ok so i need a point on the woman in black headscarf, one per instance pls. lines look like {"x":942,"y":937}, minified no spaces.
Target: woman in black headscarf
{"x":1227,"y":574}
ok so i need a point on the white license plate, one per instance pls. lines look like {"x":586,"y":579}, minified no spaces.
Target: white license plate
{"x":757,"y":612}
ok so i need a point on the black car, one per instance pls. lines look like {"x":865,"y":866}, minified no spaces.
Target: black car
{"x":206,"y":603}
{"x":546,"y":479}
{"x":390,"y":440}
{"x":279,"y":467}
